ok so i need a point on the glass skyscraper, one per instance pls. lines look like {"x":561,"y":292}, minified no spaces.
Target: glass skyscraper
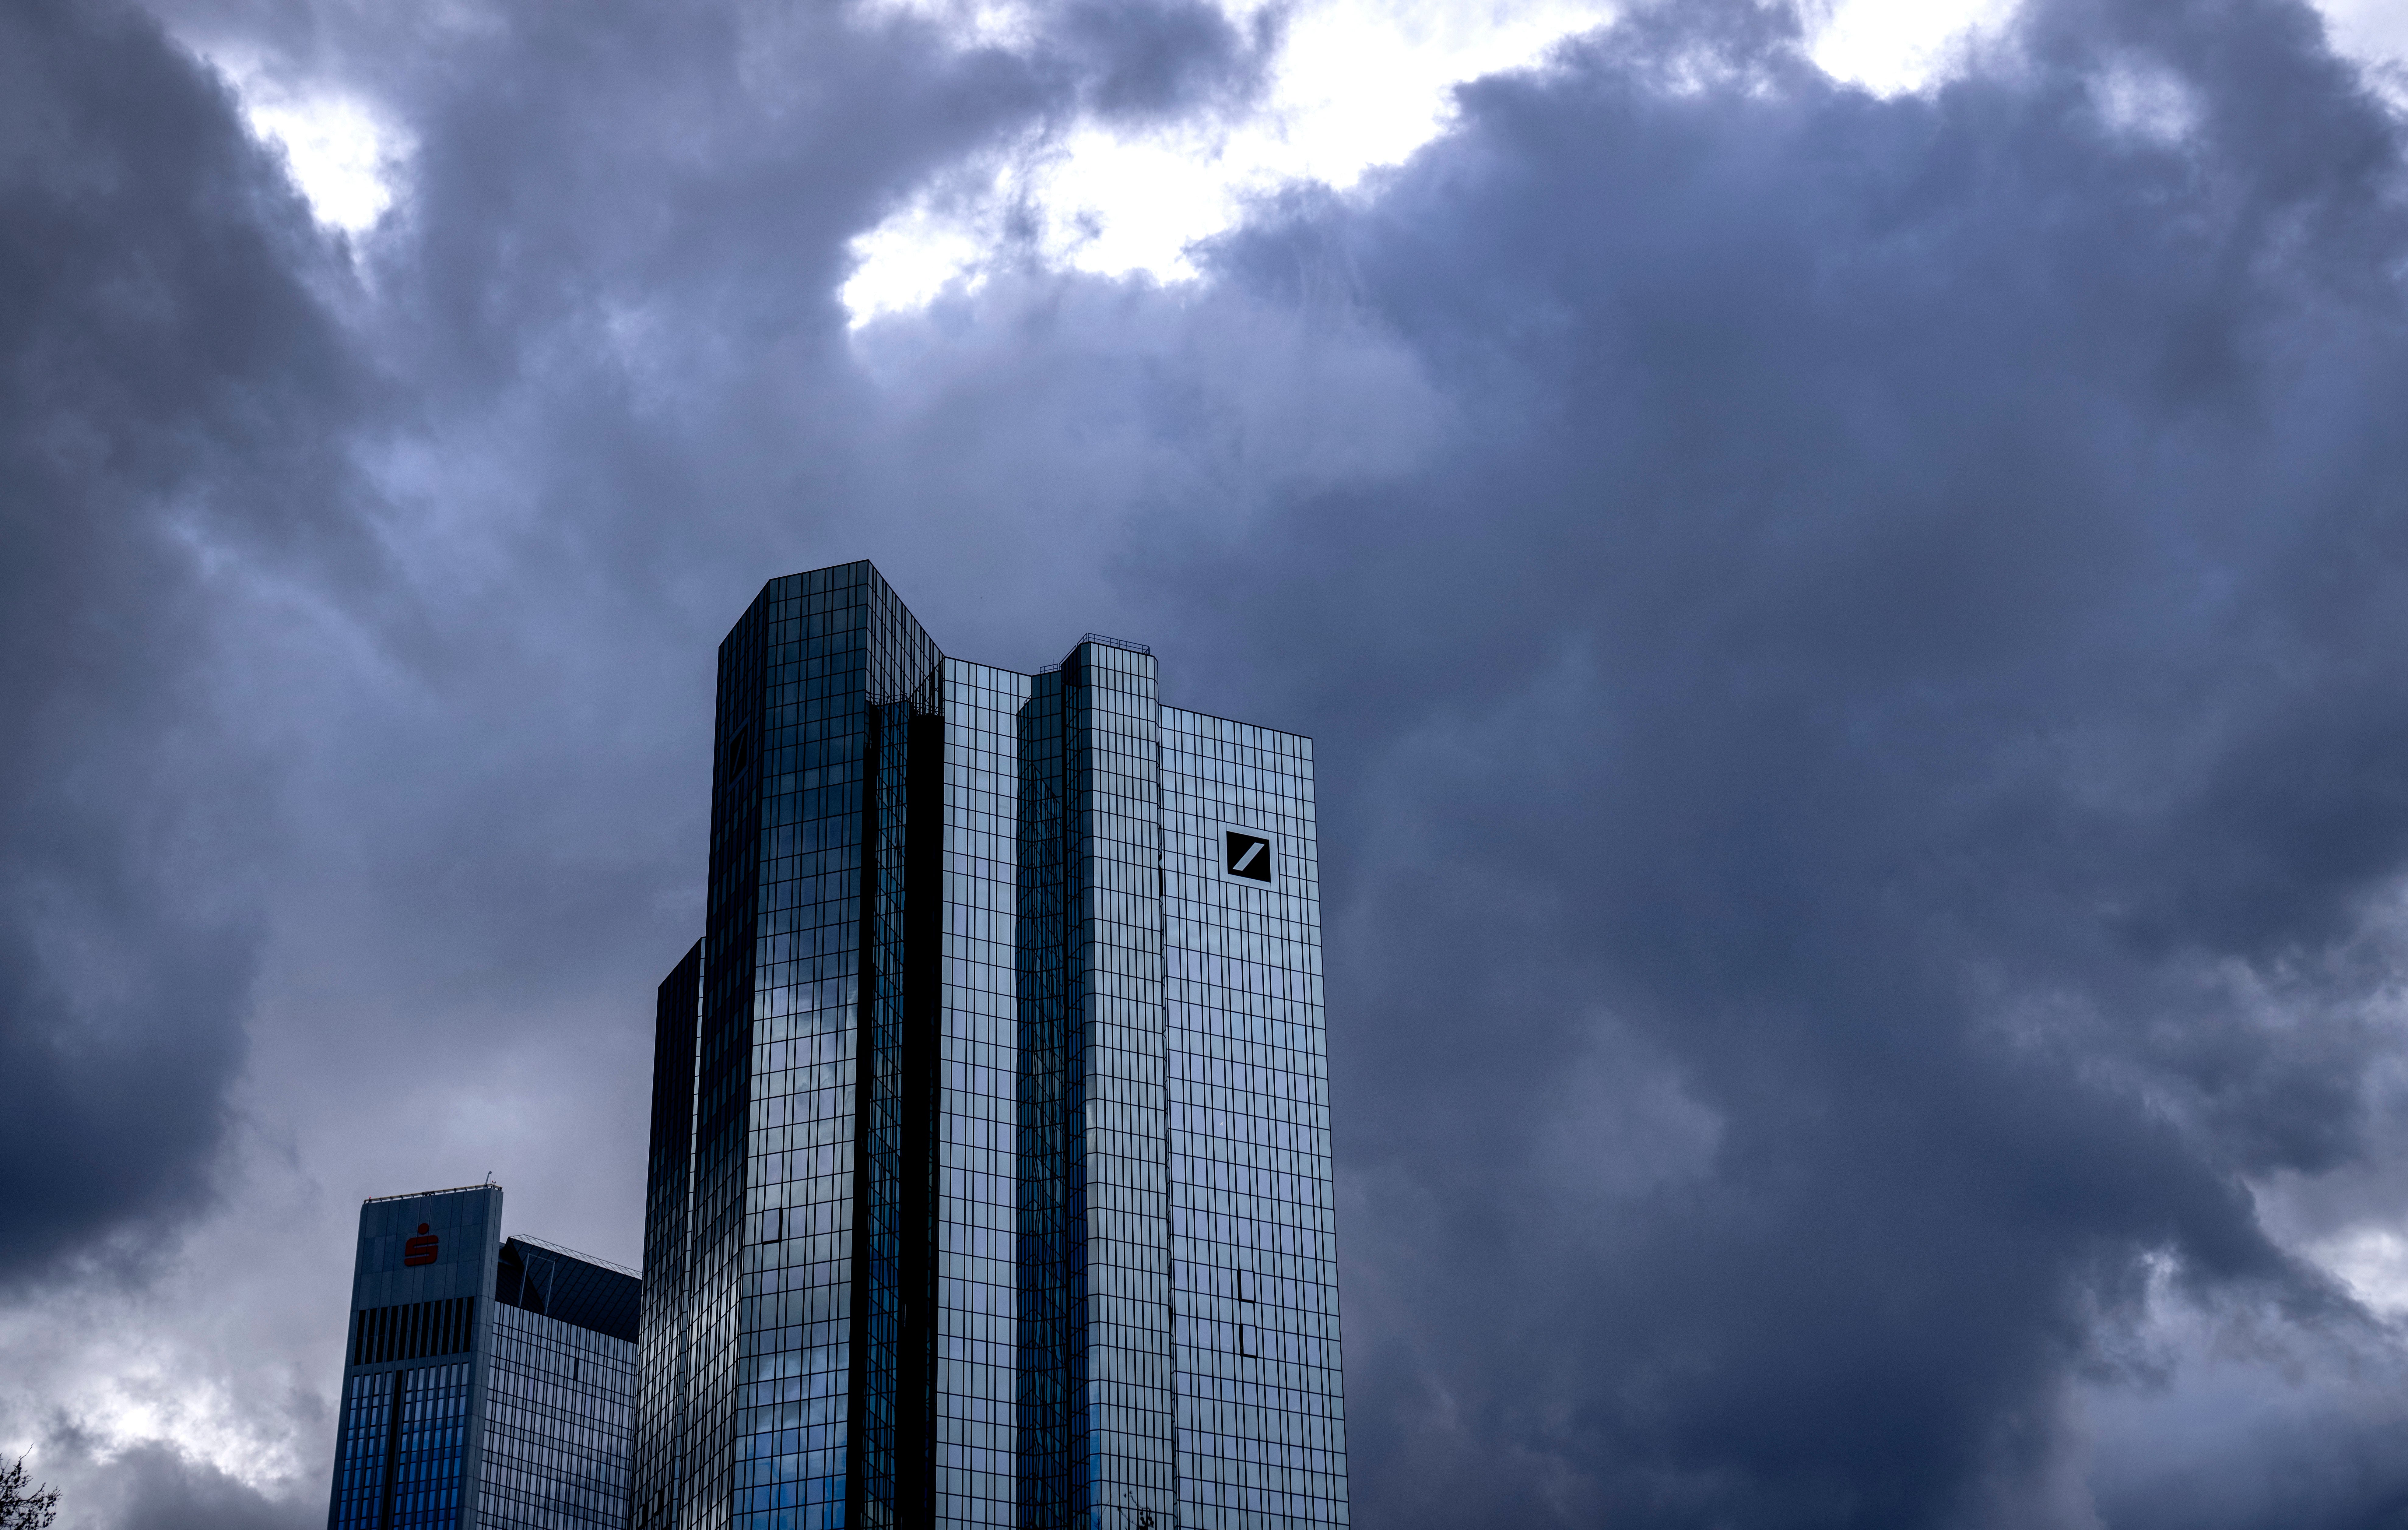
{"x":989,"y":1177}
{"x":487,"y":1382}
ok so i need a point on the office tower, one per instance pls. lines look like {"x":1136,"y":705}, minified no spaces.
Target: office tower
{"x":989,"y":1177}
{"x":487,"y":1381}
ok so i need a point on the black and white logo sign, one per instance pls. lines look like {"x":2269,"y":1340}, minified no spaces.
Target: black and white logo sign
{"x":1247,"y":856}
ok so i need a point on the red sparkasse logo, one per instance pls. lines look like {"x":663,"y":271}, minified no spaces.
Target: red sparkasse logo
{"x":420,"y":1250}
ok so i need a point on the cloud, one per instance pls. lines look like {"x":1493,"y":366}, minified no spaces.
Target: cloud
{"x":1880,"y":644}
{"x":1856,"y":633}
{"x":151,"y":1486}
{"x":1851,"y":642}
{"x":171,"y":393}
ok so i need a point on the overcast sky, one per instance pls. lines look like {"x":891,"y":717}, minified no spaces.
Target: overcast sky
{"x":1849,"y":567}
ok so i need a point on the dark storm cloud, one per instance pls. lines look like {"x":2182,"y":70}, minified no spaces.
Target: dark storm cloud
{"x":711,"y":165}
{"x":1855,"y":647}
{"x":1167,"y":59}
{"x":623,"y":379}
{"x":1905,"y":646}
{"x":1852,"y":647}
{"x":169,"y":392}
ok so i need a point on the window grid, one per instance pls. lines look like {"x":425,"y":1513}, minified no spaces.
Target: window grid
{"x":1122,"y":1413}
{"x":427,"y":1460}
{"x":359,"y":1455}
{"x":1262,"y":1403}
{"x":977,"y":1402}
{"x":556,"y":1425}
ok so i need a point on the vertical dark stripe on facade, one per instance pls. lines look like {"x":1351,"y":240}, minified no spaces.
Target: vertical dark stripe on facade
{"x":1042,"y":1217}
{"x":392,"y":1452}
{"x":924,"y":918}
{"x":891,"y":1480}
{"x":1078,"y":915}
{"x":662,"y":1367}
{"x":890,"y":1467}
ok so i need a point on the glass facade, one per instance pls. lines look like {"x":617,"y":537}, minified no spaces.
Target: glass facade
{"x":360,"y":1451}
{"x":486,"y":1382}
{"x":992,"y":1333}
{"x":556,"y":1425}
{"x":989,"y":1180}
{"x":430,"y":1446}
{"x":1262,"y":1406}
{"x":792,"y":1375}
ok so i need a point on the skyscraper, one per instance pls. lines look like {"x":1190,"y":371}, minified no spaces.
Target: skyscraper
{"x":989,"y":1177}
{"x":486,"y":1381}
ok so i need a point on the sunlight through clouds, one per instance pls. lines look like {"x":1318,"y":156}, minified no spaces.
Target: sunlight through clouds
{"x":342,"y":152}
{"x":2371,"y":1260}
{"x":1359,"y":84}
{"x":1893,"y":47}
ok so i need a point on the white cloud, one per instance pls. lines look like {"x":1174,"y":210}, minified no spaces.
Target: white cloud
{"x":1895,"y":47}
{"x":2371,"y":1260}
{"x":2368,"y":30}
{"x":2375,"y":34}
{"x":344,"y":154}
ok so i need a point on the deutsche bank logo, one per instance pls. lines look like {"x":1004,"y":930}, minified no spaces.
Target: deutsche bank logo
{"x":1247,"y":856}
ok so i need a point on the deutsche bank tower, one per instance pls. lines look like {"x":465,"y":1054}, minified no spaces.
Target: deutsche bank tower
{"x":989,"y":1180}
